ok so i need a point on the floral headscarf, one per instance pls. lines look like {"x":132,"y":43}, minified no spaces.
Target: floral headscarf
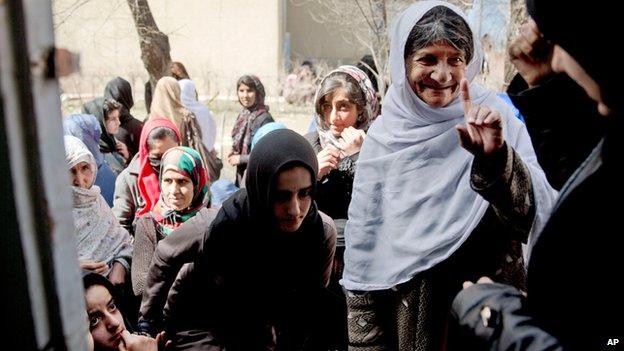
{"x":364,"y":119}
{"x":241,"y":133}
{"x":187,"y":162}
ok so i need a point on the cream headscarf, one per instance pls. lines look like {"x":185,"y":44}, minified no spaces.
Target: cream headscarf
{"x":412,"y":203}
{"x":166,"y":102}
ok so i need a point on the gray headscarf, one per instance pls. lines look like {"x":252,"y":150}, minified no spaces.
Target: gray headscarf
{"x":412,"y":203}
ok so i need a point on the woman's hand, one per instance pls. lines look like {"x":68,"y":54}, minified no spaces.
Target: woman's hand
{"x":328,"y":159}
{"x":117,"y":275}
{"x":234,"y":160}
{"x":531,"y":54}
{"x":482,"y":280}
{"x":123,"y":150}
{"x":95,"y":267}
{"x":351,"y":140}
{"x":133,"y":342}
{"x":483,"y":132}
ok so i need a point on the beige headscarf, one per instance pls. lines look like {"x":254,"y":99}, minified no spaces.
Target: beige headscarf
{"x":166,"y":102}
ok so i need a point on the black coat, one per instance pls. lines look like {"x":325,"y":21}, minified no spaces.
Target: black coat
{"x":334,"y":189}
{"x":574,"y":292}
{"x":551,"y":111}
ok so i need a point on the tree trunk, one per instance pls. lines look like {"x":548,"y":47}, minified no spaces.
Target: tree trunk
{"x":517,"y":16}
{"x":380,"y":48}
{"x":154,"y":43}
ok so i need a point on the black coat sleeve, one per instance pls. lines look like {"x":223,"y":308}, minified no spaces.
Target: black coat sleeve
{"x":561,"y":139}
{"x":497,"y":315}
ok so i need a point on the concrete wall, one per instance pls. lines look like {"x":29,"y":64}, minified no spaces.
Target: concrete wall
{"x":217,"y":40}
{"x":311,"y":39}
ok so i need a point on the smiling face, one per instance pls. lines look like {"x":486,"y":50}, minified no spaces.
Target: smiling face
{"x":246,"y":95}
{"x":105,"y":320}
{"x":339,"y":112}
{"x":177,"y":190}
{"x":292,"y":198}
{"x":434,"y":73}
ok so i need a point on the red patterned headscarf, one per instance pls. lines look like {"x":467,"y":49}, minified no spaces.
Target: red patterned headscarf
{"x":147,"y":182}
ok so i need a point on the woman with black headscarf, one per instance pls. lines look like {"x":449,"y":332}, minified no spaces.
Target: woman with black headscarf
{"x":260,"y":271}
{"x":129,"y":132}
{"x":108,"y":113}
{"x":574,"y":298}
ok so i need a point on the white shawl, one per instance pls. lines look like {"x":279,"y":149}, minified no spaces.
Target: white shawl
{"x":207,"y":124}
{"x":412,"y":205}
{"x":99,"y":236}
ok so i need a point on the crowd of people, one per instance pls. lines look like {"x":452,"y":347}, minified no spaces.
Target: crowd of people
{"x":432,"y":220}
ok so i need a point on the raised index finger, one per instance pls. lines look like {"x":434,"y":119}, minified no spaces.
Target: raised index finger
{"x":464,"y":87}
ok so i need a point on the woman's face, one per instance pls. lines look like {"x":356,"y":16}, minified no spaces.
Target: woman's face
{"x":246,"y":96}
{"x":105,"y":320}
{"x":112,"y":122}
{"x":177,"y":190}
{"x":292,"y":198}
{"x":563,"y":62}
{"x":338,"y":112}
{"x":82,"y":175}
{"x":434,"y":73}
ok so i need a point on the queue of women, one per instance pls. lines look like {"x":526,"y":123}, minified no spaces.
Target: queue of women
{"x":367,"y":233}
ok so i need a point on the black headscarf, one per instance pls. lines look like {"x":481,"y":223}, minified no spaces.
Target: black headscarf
{"x":588,"y":33}
{"x":244,"y":249}
{"x":246,"y":230}
{"x":129,"y":132}
{"x":108,"y":143}
{"x":119,"y":90}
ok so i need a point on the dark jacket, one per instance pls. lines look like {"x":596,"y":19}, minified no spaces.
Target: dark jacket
{"x":249,"y":284}
{"x":551,"y":111}
{"x":147,"y":238}
{"x":244,"y":159}
{"x":334,"y":189}
{"x":129,"y":132}
{"x":564,"y":308}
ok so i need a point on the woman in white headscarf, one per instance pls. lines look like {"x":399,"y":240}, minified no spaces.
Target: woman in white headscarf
{"x":104,"y":246}
{"x":426,"y":213}
{"x":207,"y":124}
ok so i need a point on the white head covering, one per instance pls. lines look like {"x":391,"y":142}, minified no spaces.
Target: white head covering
{"x":99,"y":235}
{"x":76,"y":151}
{"x":207,"y":124}
{"x":412,"y":204}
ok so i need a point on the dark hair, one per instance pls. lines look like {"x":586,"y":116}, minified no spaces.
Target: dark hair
{"x":160,"y":133}
{"x":364,"y":63}
{"x":248,"y":81}
{"x":109,"y":106}
{"x":440,"y":24}
{"x":91,"y":279}
{"x":178,"y":71}
{"x":340,"y":80}
{"x":255,"y":84}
